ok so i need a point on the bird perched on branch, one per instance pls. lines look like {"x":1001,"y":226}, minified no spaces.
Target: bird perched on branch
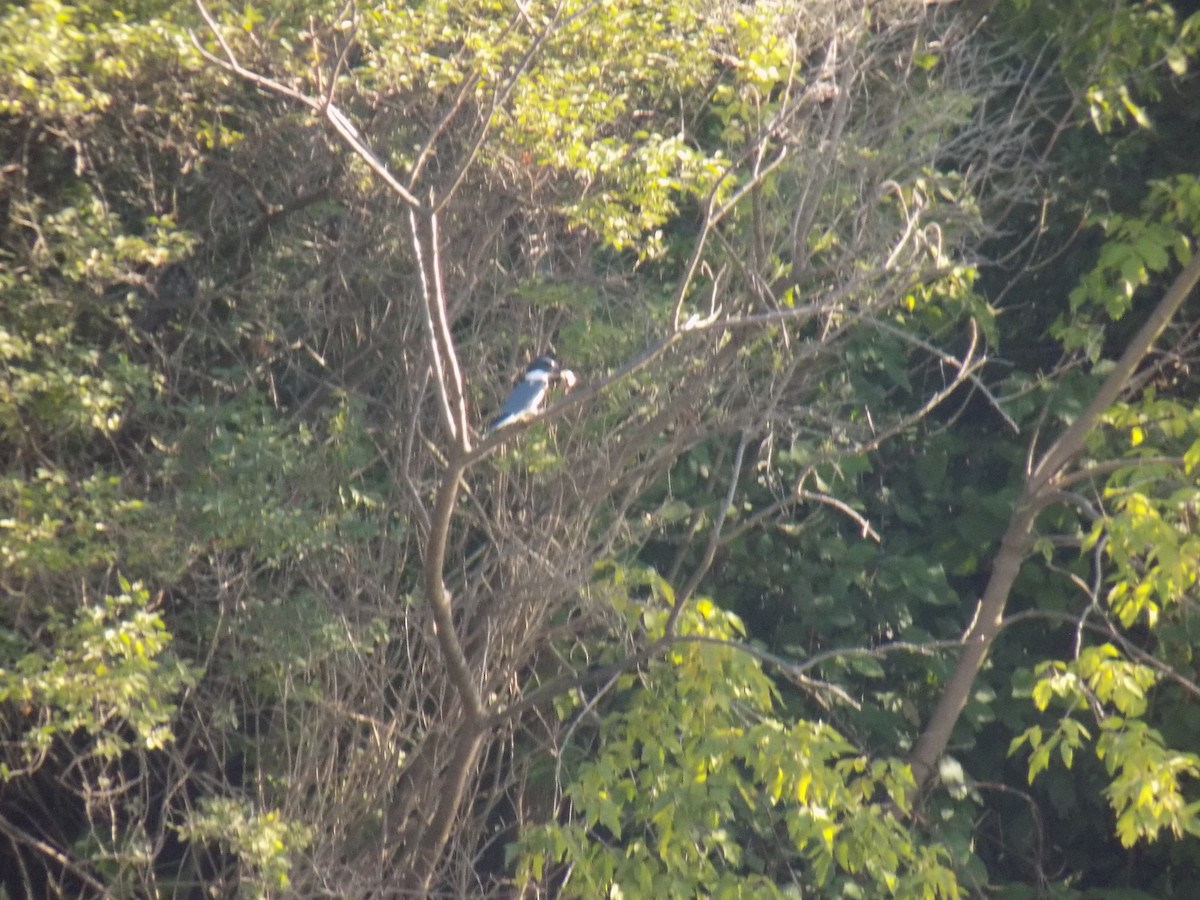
{"x":527,"y":397}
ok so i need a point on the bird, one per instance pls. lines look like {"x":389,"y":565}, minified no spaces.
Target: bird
{"x":526,"y":398}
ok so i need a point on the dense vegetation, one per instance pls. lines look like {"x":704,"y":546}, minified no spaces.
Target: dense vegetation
{"x":862,"y":561}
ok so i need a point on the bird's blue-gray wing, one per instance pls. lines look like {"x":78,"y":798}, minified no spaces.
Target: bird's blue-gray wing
{"x":523,"y":400}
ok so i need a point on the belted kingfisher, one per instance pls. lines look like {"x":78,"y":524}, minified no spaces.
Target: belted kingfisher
{"x":527,"y":396}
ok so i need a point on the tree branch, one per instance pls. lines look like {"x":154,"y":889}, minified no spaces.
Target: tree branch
{"x":322,"y":107}
{"x":714,"y":538}
{"x":1014,"y":546}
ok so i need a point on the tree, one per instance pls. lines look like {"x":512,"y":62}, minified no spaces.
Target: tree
{"x":763,"y":109}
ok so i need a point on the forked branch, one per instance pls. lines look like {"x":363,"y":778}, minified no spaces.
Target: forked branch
{"x":322,"y":106}
{"x":1041,"y":488}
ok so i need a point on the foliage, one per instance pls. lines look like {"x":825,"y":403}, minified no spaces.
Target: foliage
{"x":262,"y":841}
{"x":698,"y":787}
{"x":1139,"y":247}
{"x":1114,"y":58}
{"x":1146,"y":791}
{"x":107,"y":668}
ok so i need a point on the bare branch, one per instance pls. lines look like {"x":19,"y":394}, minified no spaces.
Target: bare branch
{"x":499,"y":98}
{"x":714,"y":538}
{"x":948,"y":358}
{"x":842,"y":507}
{"x":454,"y":387}
{"x":1069,"y":444}
{"x":1107,"y":467}
{"x":322,"y":107}
{"x":430,"y":309}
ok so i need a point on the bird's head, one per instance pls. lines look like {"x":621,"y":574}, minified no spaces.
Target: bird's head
{"x":544,"y":364}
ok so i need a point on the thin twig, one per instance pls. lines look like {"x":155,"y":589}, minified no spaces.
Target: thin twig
{"x":844,"y":508}
{"x":714,"y":538}
{"x":432,"y":331}
{"x":321,"y":107}
{"x":952,"y":360}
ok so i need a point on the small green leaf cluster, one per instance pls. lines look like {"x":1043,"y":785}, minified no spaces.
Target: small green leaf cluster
{"x":262,"y":841}
{"x":1114,"y":59}
{"x":1146,"y":791}
{"x":1147,"y":523}
{"x":1148,"y":780}
{"x":70,"y":375}
{"x":1139,"y":248}
{"x":106,"y":671}
{"x":61,"y":524}
{"x":64,"y":60}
